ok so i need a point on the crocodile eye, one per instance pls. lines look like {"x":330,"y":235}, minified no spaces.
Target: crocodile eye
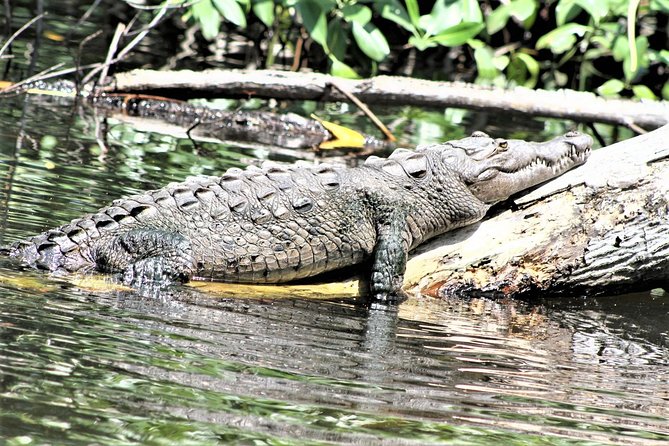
{"x":480,"y":134}
{"x":502,"y":144}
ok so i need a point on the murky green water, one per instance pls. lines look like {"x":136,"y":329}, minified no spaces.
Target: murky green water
{"x":111,"y":367}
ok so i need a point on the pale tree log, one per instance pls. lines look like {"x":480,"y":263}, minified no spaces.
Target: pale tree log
{"x":566,"y":104}
{"x":601,"y":228}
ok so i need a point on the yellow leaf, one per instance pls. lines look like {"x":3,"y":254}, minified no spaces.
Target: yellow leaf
{"x":343,"y":136}
{"x":53,"y":36}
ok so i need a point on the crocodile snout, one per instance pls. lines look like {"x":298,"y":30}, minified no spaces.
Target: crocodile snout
{"x":580,"y":141}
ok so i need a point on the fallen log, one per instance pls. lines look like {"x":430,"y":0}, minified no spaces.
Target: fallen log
{"x":567,"y":104}
{"x":599,"y":229}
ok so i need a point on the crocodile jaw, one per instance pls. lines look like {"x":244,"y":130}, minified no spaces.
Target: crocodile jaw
{"x":512,"y":166}
{"x":497,"y":185}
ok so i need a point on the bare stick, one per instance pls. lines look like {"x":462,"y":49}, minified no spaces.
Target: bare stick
{"x":113,"y":46}
{"x":41,"y":76}
{"x":80,"y":51}
{"x":361,"y":105}
{"x":19,"y":31}
{"x":37,"y":77}
{"x":138,"y":38}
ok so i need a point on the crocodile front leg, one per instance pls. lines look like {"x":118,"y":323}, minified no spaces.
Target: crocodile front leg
{"x":148,"y":256}
{"x":390,"y":260}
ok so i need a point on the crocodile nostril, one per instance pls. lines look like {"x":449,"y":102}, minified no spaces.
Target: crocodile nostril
{"x":572,"y":134}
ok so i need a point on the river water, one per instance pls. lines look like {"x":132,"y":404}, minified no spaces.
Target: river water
{"x":104,"y":366}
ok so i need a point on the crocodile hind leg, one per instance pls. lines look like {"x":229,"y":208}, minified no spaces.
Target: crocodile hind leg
{"x":148,"y":256}
{"x":389,"y":261}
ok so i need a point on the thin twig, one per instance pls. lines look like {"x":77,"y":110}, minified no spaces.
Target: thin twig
{"x":151,"y":8}
{"x":121,"y":54}
{"x":361,"y":105}
{"x":143,"y":34}
{"x":19,"y":31}
{"x":80,"y":51}
{"x":113,"y":46}
{"x":37,"y":77}
{"x":635,"y":127}
{"x":41,"y":77}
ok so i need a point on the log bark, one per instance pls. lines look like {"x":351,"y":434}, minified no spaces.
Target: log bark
{"x":601,"y":228}
{"x":390,"y":90}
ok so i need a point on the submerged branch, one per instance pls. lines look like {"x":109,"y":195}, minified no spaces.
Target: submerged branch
{"x":566,"y":104}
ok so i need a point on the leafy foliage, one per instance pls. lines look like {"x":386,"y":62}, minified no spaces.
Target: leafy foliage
{"x":584,"y":44}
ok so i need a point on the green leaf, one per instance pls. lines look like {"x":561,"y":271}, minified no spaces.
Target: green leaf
{"x":445,"y":14}
{"x":530,"y":62}
{"x":642,"y":59}
{"x":565,"y":11}
{"x":643,"y":92}
{"x":530,"y":65}
{"x":660,"y":6}
{"x":562,"y":38}
{"x":484,"y":63}
{"x":340,"y":69}
{"x":523,"y":9}
{"x":598,"y":9}
{"x":414,"y":11}
{"x":497,"y":19}
{"x":232,"y":12}
{"x":337,"y":38}
{"x":476,"y":43}
{"x":663,"y":56}
{"x":392,"y":10}
{"x":421,"y":43}
{"x":611,"y":87}
{"x":620,"y":49}
{"x":470,"y":11}
{"x":313,"y":19}
{"x":208,"y":17}
{"x":357,"y":13}
{"x":371,"y":41}
{"x":501,"y":62}
{"x":665,"y":91}
{"x":458,"y":34}
{"x":264,"y":10}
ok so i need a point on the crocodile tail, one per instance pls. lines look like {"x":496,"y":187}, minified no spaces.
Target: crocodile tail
{"x":51,"y":250}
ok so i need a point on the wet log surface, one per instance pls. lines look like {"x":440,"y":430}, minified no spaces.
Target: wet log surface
{"x":579,"y":106}
{"x":601,"y":228}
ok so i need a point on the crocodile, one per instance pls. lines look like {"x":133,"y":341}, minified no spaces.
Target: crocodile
{"x":279,"y":223}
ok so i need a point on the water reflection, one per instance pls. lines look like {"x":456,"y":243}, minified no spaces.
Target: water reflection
{"x":87,"y":366}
